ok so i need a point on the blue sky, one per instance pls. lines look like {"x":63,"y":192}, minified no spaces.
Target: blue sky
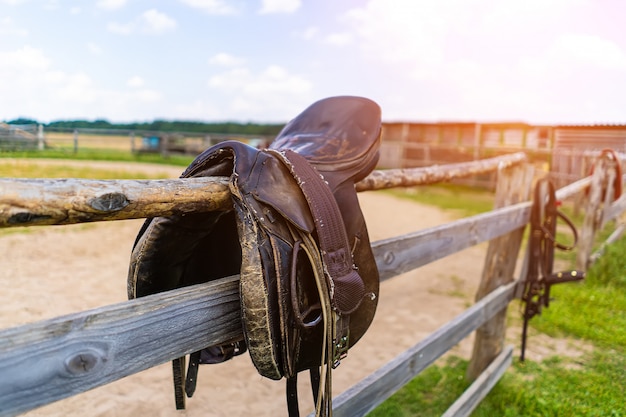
{"x":538,"y":61}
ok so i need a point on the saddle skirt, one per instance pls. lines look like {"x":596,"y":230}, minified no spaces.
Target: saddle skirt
{"x":296,"y":236}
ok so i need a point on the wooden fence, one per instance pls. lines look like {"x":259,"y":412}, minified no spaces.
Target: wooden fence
{"x":137,"y":141}
{"x":75,"y":353}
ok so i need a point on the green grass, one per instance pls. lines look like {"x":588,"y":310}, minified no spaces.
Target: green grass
{"x":550,"y":388}
{"x":592,"y":312}
{"x":101,"y":155}
{"x":30,"y":169}
{"x":460,"y":200}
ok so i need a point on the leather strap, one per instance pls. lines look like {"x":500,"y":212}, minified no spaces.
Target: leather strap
{"x":541,"y":245}
{"x":347,"y":287}
{"x":292,"y":396}
{"x":178,"y":368}
{"x":192,"y":373}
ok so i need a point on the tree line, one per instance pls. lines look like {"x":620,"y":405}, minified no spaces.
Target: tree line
{"x":161,"y":126}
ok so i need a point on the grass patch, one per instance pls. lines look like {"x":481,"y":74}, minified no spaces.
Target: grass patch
{"x":593,"y":311}
{"x":31,"y":169}
{"x":461,"y":200}
{"x":549,"y":388}
{"x":101,"y":155}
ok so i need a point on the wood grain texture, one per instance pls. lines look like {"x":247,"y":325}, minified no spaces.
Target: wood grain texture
{"x":75,"y":353}
{"x":368,"y":393}
{"x":400,"y":254}
{"x":514,"y":186}
{"x":32,"y":202}
{"x":407,"y":177}
{"x":593,"y":214}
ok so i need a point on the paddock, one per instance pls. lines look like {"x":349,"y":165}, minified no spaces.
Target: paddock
{"x":58,"y":345}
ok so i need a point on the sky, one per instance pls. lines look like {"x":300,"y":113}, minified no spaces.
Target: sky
{"x":534,"y":61}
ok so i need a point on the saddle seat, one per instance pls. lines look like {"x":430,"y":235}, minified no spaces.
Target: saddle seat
{"x":296,"y":235}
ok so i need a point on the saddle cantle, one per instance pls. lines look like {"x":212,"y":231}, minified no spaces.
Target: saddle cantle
{"x":296,"y":235}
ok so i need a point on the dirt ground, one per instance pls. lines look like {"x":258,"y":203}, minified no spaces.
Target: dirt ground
{"x":51,"y":271}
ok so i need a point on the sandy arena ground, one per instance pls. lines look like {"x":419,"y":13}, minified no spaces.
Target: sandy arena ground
{"x":58,"y":270}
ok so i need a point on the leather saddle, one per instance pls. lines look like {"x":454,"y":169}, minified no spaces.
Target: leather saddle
{"x":296,"y":235}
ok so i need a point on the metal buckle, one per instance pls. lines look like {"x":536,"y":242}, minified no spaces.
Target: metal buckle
{"x":340,"y":348}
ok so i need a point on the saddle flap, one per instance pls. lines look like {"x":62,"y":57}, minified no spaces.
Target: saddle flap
{"x":276,"y":187}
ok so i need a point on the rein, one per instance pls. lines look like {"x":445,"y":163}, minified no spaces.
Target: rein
{"x":541,"y":244}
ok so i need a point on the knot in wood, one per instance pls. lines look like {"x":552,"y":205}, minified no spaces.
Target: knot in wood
{"x":389,"y":257}
{"x":82,"y":362}
{"x":109,"y":202}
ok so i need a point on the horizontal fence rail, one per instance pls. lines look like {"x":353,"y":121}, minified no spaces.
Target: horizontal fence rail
{"x":380,"y":385}
{"x":187,"y":314}
{"x":479,"y":389}
{"x":392,"y":178}
{"x":53,"y":359}
{"x":31,"y":202}
{"x":34,"y":202}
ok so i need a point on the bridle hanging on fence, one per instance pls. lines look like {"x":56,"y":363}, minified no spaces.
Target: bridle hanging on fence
{"x":541,"y":243}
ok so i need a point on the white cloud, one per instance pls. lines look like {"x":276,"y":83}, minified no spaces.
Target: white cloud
{"x":94,"y":48}
{"x":153,"y":21}
{"x":409,"y":33}
{"x":39,"y":89}
{"x":25,"y":59}
{"x":339,"y":39}
{"x":51,"y":5}
{"x":279,"y":6}
{"x":111,"y":4}
{"x":216,"y":7}
{"x":589,"y":50}
{"x":76,"y":88}
{"x":150,"y":22}
{"x":8,"y":27}
{"x":309,"y":33}
{"x":274,"y":79}
{"x":426,"y":38}
{"x":226,"y":60}
{"x":121,"y":28}
{"x":75,"y":10}
{"x":135,"y":82}
{"x":273,"y":94}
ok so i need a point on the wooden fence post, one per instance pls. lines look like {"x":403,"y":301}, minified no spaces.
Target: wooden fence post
{"x":513,"y":186}
{"x":41,"y":142}
{"x":604,"y":170}
{"x":75,"y":141}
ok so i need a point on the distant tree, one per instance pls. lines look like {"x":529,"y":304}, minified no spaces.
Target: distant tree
{"x":22,"y":121}
{"x":161,"y":125}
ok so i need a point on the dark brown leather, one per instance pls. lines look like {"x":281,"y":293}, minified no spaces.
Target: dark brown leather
{"x":270,"y":236}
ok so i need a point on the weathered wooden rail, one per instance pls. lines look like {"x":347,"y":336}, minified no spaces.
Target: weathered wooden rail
{"x":81,"y":351}
{"x":28,"y":202}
